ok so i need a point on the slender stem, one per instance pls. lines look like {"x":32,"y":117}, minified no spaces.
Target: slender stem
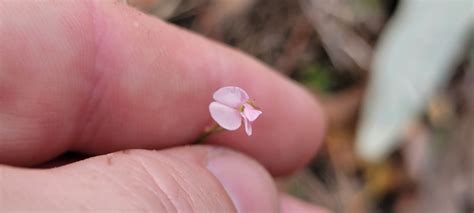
{"x":208,"y":132}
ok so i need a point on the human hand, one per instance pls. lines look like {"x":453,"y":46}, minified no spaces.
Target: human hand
{"x":98,"y":77}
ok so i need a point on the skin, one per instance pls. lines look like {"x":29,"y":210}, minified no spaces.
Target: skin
{"x":98,"y":77}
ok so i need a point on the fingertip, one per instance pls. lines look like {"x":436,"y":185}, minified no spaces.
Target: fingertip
{"x":250,"y":187}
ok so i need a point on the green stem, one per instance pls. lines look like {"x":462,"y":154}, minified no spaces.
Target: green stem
{"x":208,"y":132}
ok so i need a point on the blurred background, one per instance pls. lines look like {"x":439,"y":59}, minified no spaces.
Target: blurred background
{"x":396,"y":78}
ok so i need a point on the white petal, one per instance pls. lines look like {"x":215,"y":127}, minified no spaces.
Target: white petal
{"x":231,"y":96}
{"x":248,"y":127}
{"x":228,"y":118}
{"x":251,"y":113}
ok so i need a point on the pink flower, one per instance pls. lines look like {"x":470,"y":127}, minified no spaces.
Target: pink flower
{"x":231,"y":105}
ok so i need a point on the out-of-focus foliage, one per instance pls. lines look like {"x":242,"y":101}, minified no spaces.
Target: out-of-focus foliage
{"x":415,"y":55}
{"x":316,"y":77}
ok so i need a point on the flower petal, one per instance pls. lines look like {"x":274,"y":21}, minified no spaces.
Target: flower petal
{"x":231,"y":96}
{"x":228,"y":118}
{"x":248,"y":127}
{"x":251,"y":113}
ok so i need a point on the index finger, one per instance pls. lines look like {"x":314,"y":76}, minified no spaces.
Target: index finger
{"x":97,"y":77}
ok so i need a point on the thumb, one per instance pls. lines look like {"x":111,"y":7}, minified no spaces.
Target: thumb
{"x":186,"y":179}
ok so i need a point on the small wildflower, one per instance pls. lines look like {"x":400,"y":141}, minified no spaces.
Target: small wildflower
{"x":231,"y":107}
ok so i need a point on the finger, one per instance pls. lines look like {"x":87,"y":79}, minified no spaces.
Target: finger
{"x":97,"y":77}
{"x":289,"y":204}
{"x":189,"y":179}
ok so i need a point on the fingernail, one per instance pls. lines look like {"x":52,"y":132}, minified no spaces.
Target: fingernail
{"x":248,"y":185}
